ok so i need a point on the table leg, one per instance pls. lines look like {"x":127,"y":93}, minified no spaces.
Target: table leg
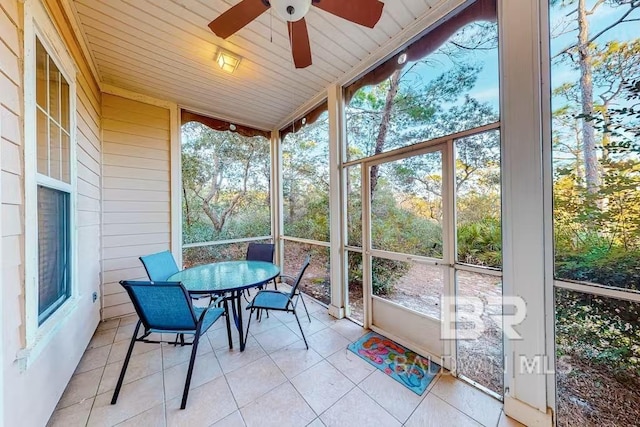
{"x":236,"y":306}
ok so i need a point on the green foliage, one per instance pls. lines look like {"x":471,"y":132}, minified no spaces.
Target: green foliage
{"x":385,"y":273}
{"x":480,"y":243}
{"x":607,"y":330}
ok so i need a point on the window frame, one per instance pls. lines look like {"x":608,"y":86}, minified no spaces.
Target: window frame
{"x":39,"y":26}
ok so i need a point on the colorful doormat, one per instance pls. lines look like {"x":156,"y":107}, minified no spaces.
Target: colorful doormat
{"x":403,"y":365}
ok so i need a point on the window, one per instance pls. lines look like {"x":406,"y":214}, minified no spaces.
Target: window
{"x":53,"y":153}
{"x":226,"y":189}
{"x":595,"y":82}
{"x":305,"y":182}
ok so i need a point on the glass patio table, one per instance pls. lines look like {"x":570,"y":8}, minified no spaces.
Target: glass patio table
{"x":229,"y":278}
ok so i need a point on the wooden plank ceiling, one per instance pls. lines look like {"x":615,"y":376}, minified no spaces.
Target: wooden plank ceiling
{"x":165,"y":49}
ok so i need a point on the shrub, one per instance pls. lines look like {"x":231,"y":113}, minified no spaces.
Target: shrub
{"x":480,"y":242}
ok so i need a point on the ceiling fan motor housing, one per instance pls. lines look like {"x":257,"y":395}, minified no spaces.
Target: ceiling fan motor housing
{"x":291,"y":10}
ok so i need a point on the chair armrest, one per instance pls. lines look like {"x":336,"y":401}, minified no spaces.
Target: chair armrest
{"x":217,"y":300}
{"x":212,"y":303}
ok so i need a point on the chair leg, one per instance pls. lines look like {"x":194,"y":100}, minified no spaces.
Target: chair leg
{"x":305,"y":306}
{"x":249,"y":322}
{"x":226,"y":315}
{"x":116,"y":392}
{"x":300,"y":326}
{"x":187,"y":383}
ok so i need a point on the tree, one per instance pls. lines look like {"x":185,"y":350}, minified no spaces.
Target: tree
{"x":583,"y":48}
{"x":221,"y":172}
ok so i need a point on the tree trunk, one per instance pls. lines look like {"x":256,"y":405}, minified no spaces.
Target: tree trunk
{"x":394,"y":85}
{"x":592,"y":176}
{"x":187,"y":209}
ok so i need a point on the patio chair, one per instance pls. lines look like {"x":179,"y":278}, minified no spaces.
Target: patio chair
{"x":267,"y":299}
{"x":159,"y":266}
{"x":261,"y":252}
{"x":165,"y":307}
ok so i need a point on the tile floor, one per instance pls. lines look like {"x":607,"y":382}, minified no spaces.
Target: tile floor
{"x":274,"y":382}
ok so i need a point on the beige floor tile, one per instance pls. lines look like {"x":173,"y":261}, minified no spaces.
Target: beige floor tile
{"x":125,"y":332}
{"x":72,"y":416}
{"x":93,"y":358}
{"x":508,"y":422}
{"x":119,"y":350}
{"x":206,"y":368}
{"x":434,"y":412}
{"x":276,"y":338}
{"x":206,"y":405}
{"x":233,"y":420}
{"x":135,"y":398}
{"x":176,"y":354}
{"x":108,"y":324}
{"x":102,"y":338}
{"x":140,"y":366}
{"x":295,"y":358}
{"x":322,"y":385}
{"x":264,"y":325}
{"x":348,"y":329}
{"x":281,"y":407}
{"x":397,"y":399}
{"x":132,"y":318}
{"x":357,"y":409}
{"x":81,"y":386}
{"x":313,"y":306}
{"x":254,"y":380}
{"x":327,"y":342}
{"x":218,"y":337}
{"x":351,"y":365}
{"x":230,"y":360}
{"x":288,"y":317}
{"x":473,"y":402}
{"x":153,"y":417}
{"x":309,"y":328}
{"x":324,"y":317}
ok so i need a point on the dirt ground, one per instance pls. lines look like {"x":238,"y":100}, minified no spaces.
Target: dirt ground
{"x":591,"y":395}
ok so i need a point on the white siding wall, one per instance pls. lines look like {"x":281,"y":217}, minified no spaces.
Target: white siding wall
{"x":42,"y":378}
{"x":12,"y":194}
{"x":136,"y":193}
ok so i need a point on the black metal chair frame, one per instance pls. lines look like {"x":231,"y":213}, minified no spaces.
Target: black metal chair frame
{"x":260,"y":252}
{"x":291,"y":304}
{"x":149,"y":329}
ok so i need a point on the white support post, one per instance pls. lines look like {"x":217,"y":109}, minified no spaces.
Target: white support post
{"x":277,"y":220}
{"x":337,"y":208}
{"x":1,"y":303}
{"x":176,"y":184}
{"x":523,"y":212}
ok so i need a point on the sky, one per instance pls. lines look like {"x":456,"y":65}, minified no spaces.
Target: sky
{"x":487,"y":86}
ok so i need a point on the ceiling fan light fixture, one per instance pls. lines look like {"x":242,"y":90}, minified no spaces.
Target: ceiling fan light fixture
{"x":291,"y":10}
{"x":227,"y":61}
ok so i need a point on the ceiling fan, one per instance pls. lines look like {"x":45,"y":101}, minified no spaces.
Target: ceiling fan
{"x":363,"y":12}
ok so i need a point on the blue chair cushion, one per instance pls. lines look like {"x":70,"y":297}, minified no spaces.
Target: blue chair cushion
{"x":159,"y":266}
{"x":270,"y":300}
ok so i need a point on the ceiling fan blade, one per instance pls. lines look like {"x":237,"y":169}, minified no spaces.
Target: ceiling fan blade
{"x":363,"y":12}
{"x":237,"y":17}
{"x":300,"y":46}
